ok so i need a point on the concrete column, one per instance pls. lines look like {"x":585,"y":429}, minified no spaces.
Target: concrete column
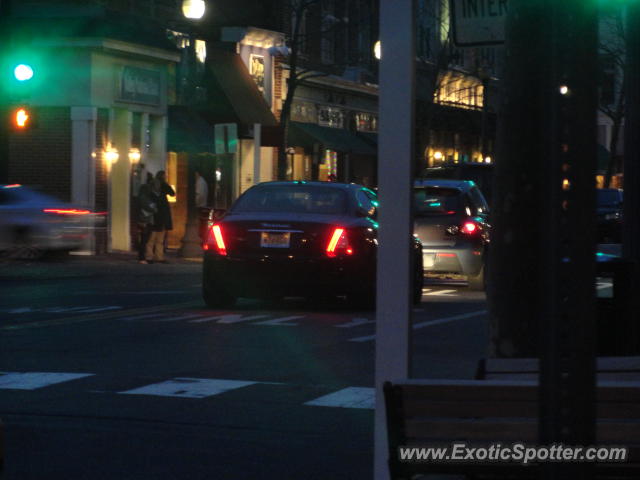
{"x":121,"y":181}
{"x":395,"y":154}
{"x":157,"y":155}
{"x":257,"y":142}
{"x":83,"y":175}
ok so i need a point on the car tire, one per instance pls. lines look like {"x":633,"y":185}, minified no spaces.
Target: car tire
{"x":476,"y":282}
{"x":217,"y":298}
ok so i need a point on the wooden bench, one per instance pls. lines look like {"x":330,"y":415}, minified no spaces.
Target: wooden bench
{"x":608,"y":369}
{"x":482,"y":412}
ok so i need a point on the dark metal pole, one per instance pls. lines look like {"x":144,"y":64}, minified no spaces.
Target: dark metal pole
{"x":631,"y":206}
{"x":567,"y":319}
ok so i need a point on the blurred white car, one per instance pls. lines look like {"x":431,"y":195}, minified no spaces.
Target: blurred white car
{"x":32,"y":223}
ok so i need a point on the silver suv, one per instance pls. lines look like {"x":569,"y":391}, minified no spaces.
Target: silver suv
{"x":451,"y":221}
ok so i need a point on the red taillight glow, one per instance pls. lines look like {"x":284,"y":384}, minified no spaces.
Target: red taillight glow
{"x":67,"y":211}
{"x":446,"y":255}
{"x":469,"y":228}
{"x":339,"y":243}
{"x":216,"y":231}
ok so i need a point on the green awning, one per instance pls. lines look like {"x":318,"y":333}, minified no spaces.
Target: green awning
{"x":307,"y":134}
{"x":233,"y":96}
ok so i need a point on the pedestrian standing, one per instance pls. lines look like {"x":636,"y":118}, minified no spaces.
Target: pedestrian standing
{"x":147,"y":208}
{"x":162,"y":222}
{"x":202,"y":190}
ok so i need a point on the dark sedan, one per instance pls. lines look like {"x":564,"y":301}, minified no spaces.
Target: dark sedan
{"x":309,"y":239}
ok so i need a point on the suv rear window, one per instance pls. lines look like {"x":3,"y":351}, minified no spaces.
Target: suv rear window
{"x":292,"y":199}
{"x":436,"y":201}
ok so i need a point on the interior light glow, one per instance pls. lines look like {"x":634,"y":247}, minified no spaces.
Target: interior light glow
{"x":469,"y":227}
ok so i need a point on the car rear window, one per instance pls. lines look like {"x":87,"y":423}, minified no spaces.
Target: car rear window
{"x":436,"y":201}
{"x":293,"y":199}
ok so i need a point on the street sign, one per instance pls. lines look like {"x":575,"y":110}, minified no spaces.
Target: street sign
{"x":226,"y":138}
{"x":478,"y":22}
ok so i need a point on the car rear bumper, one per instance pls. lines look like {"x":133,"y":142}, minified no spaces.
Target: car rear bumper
{"x":459,"y":260}
{"x":267,"y":277}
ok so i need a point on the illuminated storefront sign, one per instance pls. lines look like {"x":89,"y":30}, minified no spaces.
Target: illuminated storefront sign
{"x":330,"y":117}
{"x":256,"y":63}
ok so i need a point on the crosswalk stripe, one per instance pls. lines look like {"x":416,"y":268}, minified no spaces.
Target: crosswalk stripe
{"x":34,"y":380}
{"x":350,"y":397}
{"x":283,"y":321}
{"x":189,"y":387}
{"x":428,"y":323}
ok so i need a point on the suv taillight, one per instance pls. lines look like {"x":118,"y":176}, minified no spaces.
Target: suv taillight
{"x":215,"y":240}
{"x":469,"y":228}
{"x":339,"y":243}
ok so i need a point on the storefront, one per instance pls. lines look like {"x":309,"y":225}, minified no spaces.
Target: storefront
{"x":103,"y":125}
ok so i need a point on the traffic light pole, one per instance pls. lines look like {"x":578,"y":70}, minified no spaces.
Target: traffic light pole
{"x":542,"y":286}
{"x":631,"y":205}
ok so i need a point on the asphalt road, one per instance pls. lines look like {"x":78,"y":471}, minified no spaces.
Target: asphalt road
{"x":114,"y":370}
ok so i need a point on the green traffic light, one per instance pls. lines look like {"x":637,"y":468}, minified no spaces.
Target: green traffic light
{"x":23,"y":72}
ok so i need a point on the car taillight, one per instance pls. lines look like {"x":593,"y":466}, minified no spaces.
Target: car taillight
{"x":339,"y":243}
{"x":469,"y":228}
{"x":216,"y":240}
{"x":66,"y":211}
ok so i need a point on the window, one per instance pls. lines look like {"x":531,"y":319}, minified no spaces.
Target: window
{"x":429,"y":201}
{"x":293,"y":199}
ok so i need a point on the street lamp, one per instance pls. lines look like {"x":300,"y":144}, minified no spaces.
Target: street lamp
{"x":484,"y":75}
{"x":193,"y":9}
{"x":377,"y":50}
{"x":191,"y":242}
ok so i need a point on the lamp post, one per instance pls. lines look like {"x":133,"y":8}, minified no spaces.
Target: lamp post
{"x":191,"y":242}
{"x":484,"y":76}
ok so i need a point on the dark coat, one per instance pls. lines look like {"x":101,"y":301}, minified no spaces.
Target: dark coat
{"x":147,"y":205}
{"x":162,"y":218}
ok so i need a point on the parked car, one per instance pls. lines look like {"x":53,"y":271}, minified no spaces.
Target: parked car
{"x":609,"y":215}
{"x":451,"y":221}
{"x":32,"y":223}
{"x":479,"y":173}
{"x":296,"y":239}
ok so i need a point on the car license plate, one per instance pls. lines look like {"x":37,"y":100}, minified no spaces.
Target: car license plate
{"x":428,"y":259}
{"x":275,"y":240}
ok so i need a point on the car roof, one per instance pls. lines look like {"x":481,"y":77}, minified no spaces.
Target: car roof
{"x":342,"y":186}
{"x":462,"y":185}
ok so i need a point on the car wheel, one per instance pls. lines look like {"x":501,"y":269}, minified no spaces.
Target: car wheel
{"x":23,"y":248}
{"x":217,"y":298}
{"x":476,"y":282}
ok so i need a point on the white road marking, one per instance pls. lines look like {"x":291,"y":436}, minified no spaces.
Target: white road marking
{"x":440,"y":321}
{"x":34,"y":380}
{"x":350,"y":397}
{"x":355,"y":322}
{"x":64,"y":309}
{"x":601,"y":285}
{"x":21,"y":310}
{"x":284,"y":321}
{"x":444,"y":293}
{"x":428,"y":323}
{"x":189,"y":387}
{"x":231,"y":318}
{"x":141,"y":317}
